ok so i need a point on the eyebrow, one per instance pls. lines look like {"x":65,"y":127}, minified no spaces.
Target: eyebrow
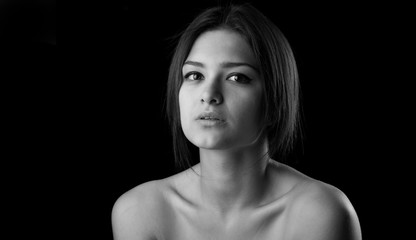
{"x":223,"y":64}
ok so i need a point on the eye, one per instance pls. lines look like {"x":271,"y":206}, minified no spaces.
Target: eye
{"x":240,"y":78}
{"x":193,"y":76}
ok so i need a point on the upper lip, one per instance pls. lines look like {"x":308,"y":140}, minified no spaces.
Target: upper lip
{"x":210,"y":116}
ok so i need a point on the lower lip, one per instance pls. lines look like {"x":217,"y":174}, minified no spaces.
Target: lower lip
{"x":210,"y":123}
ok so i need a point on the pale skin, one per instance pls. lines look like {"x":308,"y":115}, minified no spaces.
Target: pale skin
{"x":236,"y":192}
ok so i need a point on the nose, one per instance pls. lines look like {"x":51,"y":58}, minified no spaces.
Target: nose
{"x":212,"y":93}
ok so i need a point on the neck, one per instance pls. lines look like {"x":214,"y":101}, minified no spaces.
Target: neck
{"x":233,"y":179}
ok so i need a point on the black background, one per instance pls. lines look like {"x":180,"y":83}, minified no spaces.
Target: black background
{"x":97,"y":124}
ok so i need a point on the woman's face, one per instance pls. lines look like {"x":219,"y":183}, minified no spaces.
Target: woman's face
{"x":221,"y":92}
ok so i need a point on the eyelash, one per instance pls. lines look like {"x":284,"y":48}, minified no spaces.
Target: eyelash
{"x":186,"y":77}
{"x":239,"y":75}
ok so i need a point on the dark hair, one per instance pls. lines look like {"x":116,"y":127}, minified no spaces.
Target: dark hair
{"x":277,"y":68}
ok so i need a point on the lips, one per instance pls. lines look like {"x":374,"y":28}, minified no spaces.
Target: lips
{"x":210,"y":116}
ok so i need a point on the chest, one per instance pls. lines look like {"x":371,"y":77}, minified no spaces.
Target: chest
{"x":264,"y":224}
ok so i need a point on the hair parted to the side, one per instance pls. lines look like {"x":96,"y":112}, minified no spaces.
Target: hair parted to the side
{"x":277,"y":68}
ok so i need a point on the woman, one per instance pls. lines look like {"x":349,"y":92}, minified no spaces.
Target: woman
{"x":233,"y":93}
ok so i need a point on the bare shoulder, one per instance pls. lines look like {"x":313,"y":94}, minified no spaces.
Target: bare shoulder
{"x":136,"y":213}
{"x":321,"y":211}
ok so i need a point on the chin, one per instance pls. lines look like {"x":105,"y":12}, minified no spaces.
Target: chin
{"x":210,"y":141}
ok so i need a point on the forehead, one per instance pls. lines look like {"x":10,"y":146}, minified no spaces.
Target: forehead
{"x":221,"y":45}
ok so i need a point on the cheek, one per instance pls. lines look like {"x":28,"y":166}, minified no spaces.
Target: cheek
{"x":184,"y":106}
{"x":247,"y":108}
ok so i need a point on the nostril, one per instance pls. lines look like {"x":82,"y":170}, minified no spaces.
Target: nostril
{"x":214,"y":100}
